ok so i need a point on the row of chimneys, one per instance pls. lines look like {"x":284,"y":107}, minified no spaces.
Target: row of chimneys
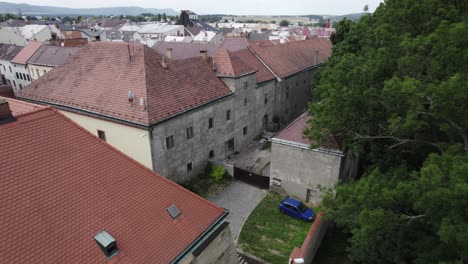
{"x":203,"y":54}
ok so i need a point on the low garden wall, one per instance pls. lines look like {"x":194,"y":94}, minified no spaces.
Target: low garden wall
{"x":306,"y":253}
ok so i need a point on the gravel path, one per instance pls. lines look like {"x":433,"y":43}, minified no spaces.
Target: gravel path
{"x":240,"y":199}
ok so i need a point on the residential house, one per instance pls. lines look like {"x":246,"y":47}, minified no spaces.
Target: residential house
{"x":94,"y":34}
{"x":212,"y":37}
{"x":174,"y":114}
{"x":9,"y":73}
{"x":64,"y":188}
{"x":190,"y":19}
{"x":303,"y":168}
{"x":47,"y":57}
{"x":20,"y":62}
{"x":123,"y":36}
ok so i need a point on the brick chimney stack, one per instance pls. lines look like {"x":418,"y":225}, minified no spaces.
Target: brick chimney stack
{"x":204,"y":54}
{"x":5,"y":113}
{"x":169,"y":53}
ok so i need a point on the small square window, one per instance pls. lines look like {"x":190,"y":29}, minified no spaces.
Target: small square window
{"x":101,"y":135}
{"x":189,"y":132}
{"x":228,"y":115}
{"x":287,"y":92}
{"x":210,"y":123}
{"x":245,"y":101}
{"x":266,"y":99}
{"x":169,"y":142}
{"x":245,"y":85}
{"x":211,"y":154}
{"x":189,"y":167}
{"x":245,"y":130}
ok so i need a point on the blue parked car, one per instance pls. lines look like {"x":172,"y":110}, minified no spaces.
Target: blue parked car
{"x":296,"y":209}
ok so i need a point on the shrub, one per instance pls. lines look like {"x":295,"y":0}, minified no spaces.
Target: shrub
{"x":217,"y":173}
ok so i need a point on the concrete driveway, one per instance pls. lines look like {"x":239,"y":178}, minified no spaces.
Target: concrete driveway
{"x":240,"y":199}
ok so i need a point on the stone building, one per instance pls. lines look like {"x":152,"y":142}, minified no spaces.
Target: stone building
{"x":62,"y":187}
{"x":305,"y":169}
{"x":173,"y":115}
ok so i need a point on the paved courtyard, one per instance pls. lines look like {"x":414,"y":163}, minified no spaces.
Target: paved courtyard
{"x":240,"y":199}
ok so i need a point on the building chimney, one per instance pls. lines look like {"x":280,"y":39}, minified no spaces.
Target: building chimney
{"x":169,"y":53}
{"x":163,"y":62}
{"x":5,"y":113}
{"x":204,"y":54}
{"x":316,"y":57}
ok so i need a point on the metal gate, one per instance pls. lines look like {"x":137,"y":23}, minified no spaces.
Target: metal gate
{"x":259,"y":181}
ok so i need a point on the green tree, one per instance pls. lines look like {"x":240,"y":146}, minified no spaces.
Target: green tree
{"x":395,"y":92}
{"x":164,"y":17}
{"x":284,"y":23}
{"x":407,"y":217}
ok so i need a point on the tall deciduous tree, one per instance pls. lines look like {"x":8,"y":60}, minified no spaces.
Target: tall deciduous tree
{"x":395,"y":91}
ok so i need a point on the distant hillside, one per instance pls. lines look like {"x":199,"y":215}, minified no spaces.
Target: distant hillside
{"x":352,"y":17}
{"x":26,"y":9}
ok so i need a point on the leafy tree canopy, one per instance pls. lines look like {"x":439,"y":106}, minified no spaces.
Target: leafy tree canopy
{"x":395,"y":92}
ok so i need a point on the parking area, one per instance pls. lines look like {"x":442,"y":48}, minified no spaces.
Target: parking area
{"x":240,"y":199}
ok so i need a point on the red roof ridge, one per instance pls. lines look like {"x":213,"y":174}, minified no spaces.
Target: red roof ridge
{"x":129,"y":158}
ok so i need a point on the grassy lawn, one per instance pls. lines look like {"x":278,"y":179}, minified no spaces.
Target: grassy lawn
{"x":333,"y":248}
{"x":271,"y":235}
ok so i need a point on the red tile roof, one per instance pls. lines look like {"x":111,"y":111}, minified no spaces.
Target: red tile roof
{"x":229,"y":65}
{"x":98,"y":79}
{"x":19,"y":108}
{"x":290,"y":58}
{"x":72,"y":34}
{"x":61,"y":185}
{"x":235,"y":44}
{"x":23,"y":56}
{"x":294,"y":133}
{"x":262,"y":74}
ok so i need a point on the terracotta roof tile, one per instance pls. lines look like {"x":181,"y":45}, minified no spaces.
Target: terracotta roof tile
{"x":19,"y":107}
{"x":294,"y":133}
{"x":99,"y":77}
{"x":229,"y":65}
{"x":61,"y":185}
{"x":23,"y":56}
{"x":235,"y":44}
{"x":290,"y":58}
{"x":262,"y":74}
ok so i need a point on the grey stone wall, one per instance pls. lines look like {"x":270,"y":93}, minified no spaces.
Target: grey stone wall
{"x":173,"y":162}
{"x":220,"y":251}
{"x":293,"y":95}
{"x":301,"y":169}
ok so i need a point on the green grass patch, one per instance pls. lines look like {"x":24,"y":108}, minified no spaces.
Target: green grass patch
{"x":333,"y":248}
{"x":271,"y":235}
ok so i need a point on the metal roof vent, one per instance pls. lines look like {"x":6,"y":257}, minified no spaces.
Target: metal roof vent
{"x":173,"y":211}
{"x":107,"y":244}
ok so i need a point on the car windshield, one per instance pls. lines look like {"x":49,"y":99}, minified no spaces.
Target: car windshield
{"x":302,"y":207}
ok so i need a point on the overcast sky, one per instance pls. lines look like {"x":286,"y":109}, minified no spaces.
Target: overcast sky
{"x":236,"y":7}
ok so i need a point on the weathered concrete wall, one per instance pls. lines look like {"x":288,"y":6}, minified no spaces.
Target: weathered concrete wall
{"x":293,"y":94}
{"x":173,"y":162}
{"x":301,"y":169}
{"x":220,"y":251}
{"x":264,"y":110}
